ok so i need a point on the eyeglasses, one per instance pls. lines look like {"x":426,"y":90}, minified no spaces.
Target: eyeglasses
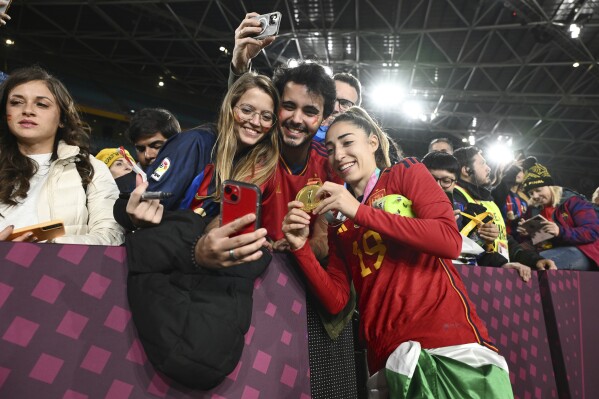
{"x":247,"y":112}
{"x":445,"y":182}
{"x":344,"y":104}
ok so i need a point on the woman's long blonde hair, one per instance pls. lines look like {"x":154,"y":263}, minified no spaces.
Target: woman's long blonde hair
{"x":258,"y":163}
{"x":556,"y":193}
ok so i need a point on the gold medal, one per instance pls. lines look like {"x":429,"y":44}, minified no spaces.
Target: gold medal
{"x":307,"y":196}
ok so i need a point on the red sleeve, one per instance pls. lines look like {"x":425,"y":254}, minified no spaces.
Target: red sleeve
{"x":433,"y":230}
{"x":331,"y":286}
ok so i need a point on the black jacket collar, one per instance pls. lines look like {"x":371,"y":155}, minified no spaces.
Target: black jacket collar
{"x":477,"y":192}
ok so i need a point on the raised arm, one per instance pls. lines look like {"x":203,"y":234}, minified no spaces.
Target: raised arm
{"x":246,"y":47}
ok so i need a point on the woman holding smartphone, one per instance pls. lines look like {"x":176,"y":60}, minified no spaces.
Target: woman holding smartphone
{"x":415,"y":315}
{"x":190,"y":285}
{"x":245,"y":147}
{"x":46,"y":170}
{"x":570,"y":219}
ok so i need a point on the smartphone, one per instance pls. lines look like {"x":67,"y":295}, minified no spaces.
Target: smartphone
{"x":43,"y":231}
{"x":239,"y":199}
{"x":270,"y":24}
{"x":3,"y":9}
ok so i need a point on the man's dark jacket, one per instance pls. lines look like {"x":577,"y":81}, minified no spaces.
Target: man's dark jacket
{"x":190,"y":320}
{"x":516,"y":251}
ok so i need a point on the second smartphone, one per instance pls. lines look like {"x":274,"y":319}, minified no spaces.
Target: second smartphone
{"x":239,"y":199}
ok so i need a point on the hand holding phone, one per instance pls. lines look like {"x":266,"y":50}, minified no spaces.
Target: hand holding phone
{"x":269,"y":23}
{"x":4,"y":17}
{"x":4,"y":5}
{"x":42,"y":232}
{"x":239,"y":199}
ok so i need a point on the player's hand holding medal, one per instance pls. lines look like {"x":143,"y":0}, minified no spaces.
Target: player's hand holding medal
{"x":331,"y":199}
{"x":307,"y":196}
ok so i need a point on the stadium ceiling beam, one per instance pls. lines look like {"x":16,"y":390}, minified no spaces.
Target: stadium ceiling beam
{"x":357,"y":39}
{"x":74,"y":37}
{"x":419,"y":48}
{"x":102,"y":14}
{"x":293,"y":30}
{"x":195,"y":46}
{"x":507,"y":117}
{"x":103,"y":2}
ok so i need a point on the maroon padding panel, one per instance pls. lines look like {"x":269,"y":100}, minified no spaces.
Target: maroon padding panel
{"x":513,"y":313}
{"x":66,"y":331}
{"x":574,"y":297}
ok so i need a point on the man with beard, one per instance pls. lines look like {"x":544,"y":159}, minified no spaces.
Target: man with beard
{"x":308,"y":96}
{"x":472,"y":188}
{"x":471,"y":192}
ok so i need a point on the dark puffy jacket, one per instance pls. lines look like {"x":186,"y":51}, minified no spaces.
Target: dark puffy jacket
{"x":191,"y":321}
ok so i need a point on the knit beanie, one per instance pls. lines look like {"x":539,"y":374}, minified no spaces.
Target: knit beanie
{"x":110,"y":155}
{"x":536,"y":176}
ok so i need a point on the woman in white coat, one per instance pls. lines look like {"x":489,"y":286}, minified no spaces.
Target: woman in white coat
{"x":46,"y":170}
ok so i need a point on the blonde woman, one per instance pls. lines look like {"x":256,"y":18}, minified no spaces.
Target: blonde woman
{"x":243,"y":146}
{"x":571,"y":220}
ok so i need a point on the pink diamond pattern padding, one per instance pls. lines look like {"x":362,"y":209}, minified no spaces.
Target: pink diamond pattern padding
{"x":66,"y":331}
{"x":505,"y":303}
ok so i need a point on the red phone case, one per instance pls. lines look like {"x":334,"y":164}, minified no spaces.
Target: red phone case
{"x":239,"y":199}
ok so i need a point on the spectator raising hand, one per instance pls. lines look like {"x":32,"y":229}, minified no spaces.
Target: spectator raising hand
{"x":4,"y":17}
{"x":246,"y":47}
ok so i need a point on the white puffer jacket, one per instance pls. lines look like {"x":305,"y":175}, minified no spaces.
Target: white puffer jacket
{"x":87,"y":216}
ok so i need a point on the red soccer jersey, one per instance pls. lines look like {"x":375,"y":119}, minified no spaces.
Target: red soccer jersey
{"x":407,"y":286}
{"x":285,"y":185}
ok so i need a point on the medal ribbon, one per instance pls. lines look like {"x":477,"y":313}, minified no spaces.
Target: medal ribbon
{"x":370,"y":185}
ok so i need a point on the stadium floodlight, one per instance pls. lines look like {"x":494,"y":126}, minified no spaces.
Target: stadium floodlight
{"x":413,"y":110}
{"x":574,"y":31}
{"x":388,"y":95}
{"x":500,"y":151}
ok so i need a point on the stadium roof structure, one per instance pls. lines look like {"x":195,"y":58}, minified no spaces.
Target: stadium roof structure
{"x":460,"y":68}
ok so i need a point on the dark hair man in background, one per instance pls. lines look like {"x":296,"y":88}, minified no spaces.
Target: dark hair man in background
{"x":148,"y":129}
{"x":349,"y":93}
{"x":473,"y":187}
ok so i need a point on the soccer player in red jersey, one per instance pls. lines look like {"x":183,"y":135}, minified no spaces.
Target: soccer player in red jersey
{"x":416,"y":318}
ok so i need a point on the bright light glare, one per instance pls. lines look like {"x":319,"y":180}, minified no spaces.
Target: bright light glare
{"x":500,"y":152}
{"x":388,"y":95}
{"x":471,"y":139}
{"x":161,"y":83}
{"x":574,"y":31}
{"x":292,"y":63}
{"x":9,"y":42}
{"x":328,"y":70}
{"x":413,"y":110}
{"x":576,"y":65}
